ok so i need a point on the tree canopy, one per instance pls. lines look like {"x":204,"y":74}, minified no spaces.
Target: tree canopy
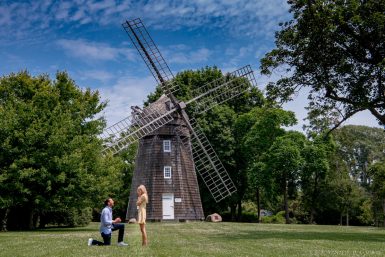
{"x":360,"y":147}
{"x":336,"y":50}
{"x":50,"y":159}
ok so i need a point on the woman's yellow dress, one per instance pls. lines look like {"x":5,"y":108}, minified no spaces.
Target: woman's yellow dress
{"x":142,"y":210}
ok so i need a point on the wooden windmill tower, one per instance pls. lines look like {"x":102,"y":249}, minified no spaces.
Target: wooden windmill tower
{"x":172,"y":147}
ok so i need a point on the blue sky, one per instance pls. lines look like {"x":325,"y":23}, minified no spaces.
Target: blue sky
{"x":86,"y":39}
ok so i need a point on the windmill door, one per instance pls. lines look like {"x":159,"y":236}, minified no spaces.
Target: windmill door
{"x":168,"y":206}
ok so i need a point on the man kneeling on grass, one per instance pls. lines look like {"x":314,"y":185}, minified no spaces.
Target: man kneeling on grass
{"x":107,"y":225}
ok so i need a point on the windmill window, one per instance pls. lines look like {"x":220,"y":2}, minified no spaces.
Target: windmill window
{"x":167,"y":171}
{"x":167,"y":146}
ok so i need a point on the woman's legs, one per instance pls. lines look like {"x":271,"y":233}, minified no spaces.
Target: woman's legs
{"x":144,"y":234}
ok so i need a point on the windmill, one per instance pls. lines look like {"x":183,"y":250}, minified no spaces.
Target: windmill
{"x":172,"y":147}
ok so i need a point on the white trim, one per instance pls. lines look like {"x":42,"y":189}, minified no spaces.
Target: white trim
{"x":166,"y":146}
{"x":167,"y":171}
{"x":168,"y":206}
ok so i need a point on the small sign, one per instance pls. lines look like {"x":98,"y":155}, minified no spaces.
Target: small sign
{"x":178,"y":200}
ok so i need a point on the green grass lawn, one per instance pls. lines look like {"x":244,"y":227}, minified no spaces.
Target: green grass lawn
{"x":202,"y":239}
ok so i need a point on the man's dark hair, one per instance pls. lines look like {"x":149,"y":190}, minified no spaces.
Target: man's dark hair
{"x":106,"y":201}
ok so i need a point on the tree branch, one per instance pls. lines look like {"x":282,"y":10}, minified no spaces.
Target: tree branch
{"x":381,"y":91}
{"x":376,"y":103}
{"x":332,"y":95}
{"x":378,"y":115}
{"x":347,"y":116}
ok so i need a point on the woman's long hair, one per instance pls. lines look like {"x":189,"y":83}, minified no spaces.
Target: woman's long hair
{"x":144,"y":191}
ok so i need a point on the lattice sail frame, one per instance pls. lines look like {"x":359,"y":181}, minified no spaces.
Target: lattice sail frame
{"x":207,"y":163}
{"x":129,"y":130}
{"x":222,"y":89}
{"x":150,"y":54}
{"x":146,"y":121}
{"x":134,"y":127}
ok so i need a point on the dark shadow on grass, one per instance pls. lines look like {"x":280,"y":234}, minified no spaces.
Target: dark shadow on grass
{"x":58,"y":229}
{"x":294,"y":235}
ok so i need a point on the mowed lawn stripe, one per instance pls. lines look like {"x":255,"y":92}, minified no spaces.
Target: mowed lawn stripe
{"x":201,"y":239}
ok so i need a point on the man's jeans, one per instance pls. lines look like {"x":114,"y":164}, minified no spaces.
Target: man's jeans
{"x":107,"y":237}
{"x":119,"y":227}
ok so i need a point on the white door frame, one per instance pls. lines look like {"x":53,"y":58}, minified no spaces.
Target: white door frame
{"x":168,"y":206}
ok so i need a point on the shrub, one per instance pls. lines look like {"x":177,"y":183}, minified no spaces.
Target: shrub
{"x":278,"y":218}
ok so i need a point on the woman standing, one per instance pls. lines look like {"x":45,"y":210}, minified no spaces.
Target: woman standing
{"x":141,"y":203}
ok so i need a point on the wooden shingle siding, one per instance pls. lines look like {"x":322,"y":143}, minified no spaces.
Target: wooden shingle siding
{"x":149,"y":165}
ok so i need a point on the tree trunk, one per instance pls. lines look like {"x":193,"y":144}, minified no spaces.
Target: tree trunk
{"x":383,"y":210}
{"x":286,"y":205}
{"x":36,"y":218}
{"x":42,"y":220}
{"x":239,"y":216}
{"x":30,"y":219}
{"x":4,"y":220}
{"x":347,"y":217}
{"x":258,"y":205}
{"x":313,"y":199}
{"x":341,"y":218}
{"x":232,"y":209}
{"x":312,"y":211}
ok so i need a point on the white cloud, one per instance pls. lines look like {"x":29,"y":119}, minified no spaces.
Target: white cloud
{"x":126,"y":92}
{"x":182,"y":54}
{"x":79,"y":15}
{"x":5,"y":16}
{"x":96,"y":51}
{"x":95,"y":6}
{"x":62,"y":12}
{"x":238,"y":18}
{"x":100,"y":75}
{"x":236,"y":55}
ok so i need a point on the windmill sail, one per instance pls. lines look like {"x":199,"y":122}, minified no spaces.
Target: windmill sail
{"x":222,"y":89}
{"x":208,"y":165}
{"x":127,"y":131}
{"x":150,"y":54}
{"x":132,"y":128}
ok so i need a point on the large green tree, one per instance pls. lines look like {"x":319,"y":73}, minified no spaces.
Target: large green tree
{"x":50,"y":158}
{"x":283,"y":164}
{"x":360,"y":147}
{"x":377,"y":188}
{"x":255,"y":132}
{"x":335,"y":50}
{"x":313,"y":174}
{"x":346,"y":195}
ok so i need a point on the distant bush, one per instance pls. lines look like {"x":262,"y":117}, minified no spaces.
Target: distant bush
{"x":246,"y":216}
{"x":278,"y":218}
{"x":71,"y":217}
{"x":249,"y":207}
{"x":249,"y":217}
{"x":226,"y":216}
{"x":82,"y":217}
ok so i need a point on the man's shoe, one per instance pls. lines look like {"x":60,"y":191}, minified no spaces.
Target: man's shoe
{"x":122,"y":244}
{"x":90,"y":241}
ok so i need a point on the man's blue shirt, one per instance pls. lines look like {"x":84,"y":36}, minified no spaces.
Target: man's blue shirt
{"x":106,"y":220}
